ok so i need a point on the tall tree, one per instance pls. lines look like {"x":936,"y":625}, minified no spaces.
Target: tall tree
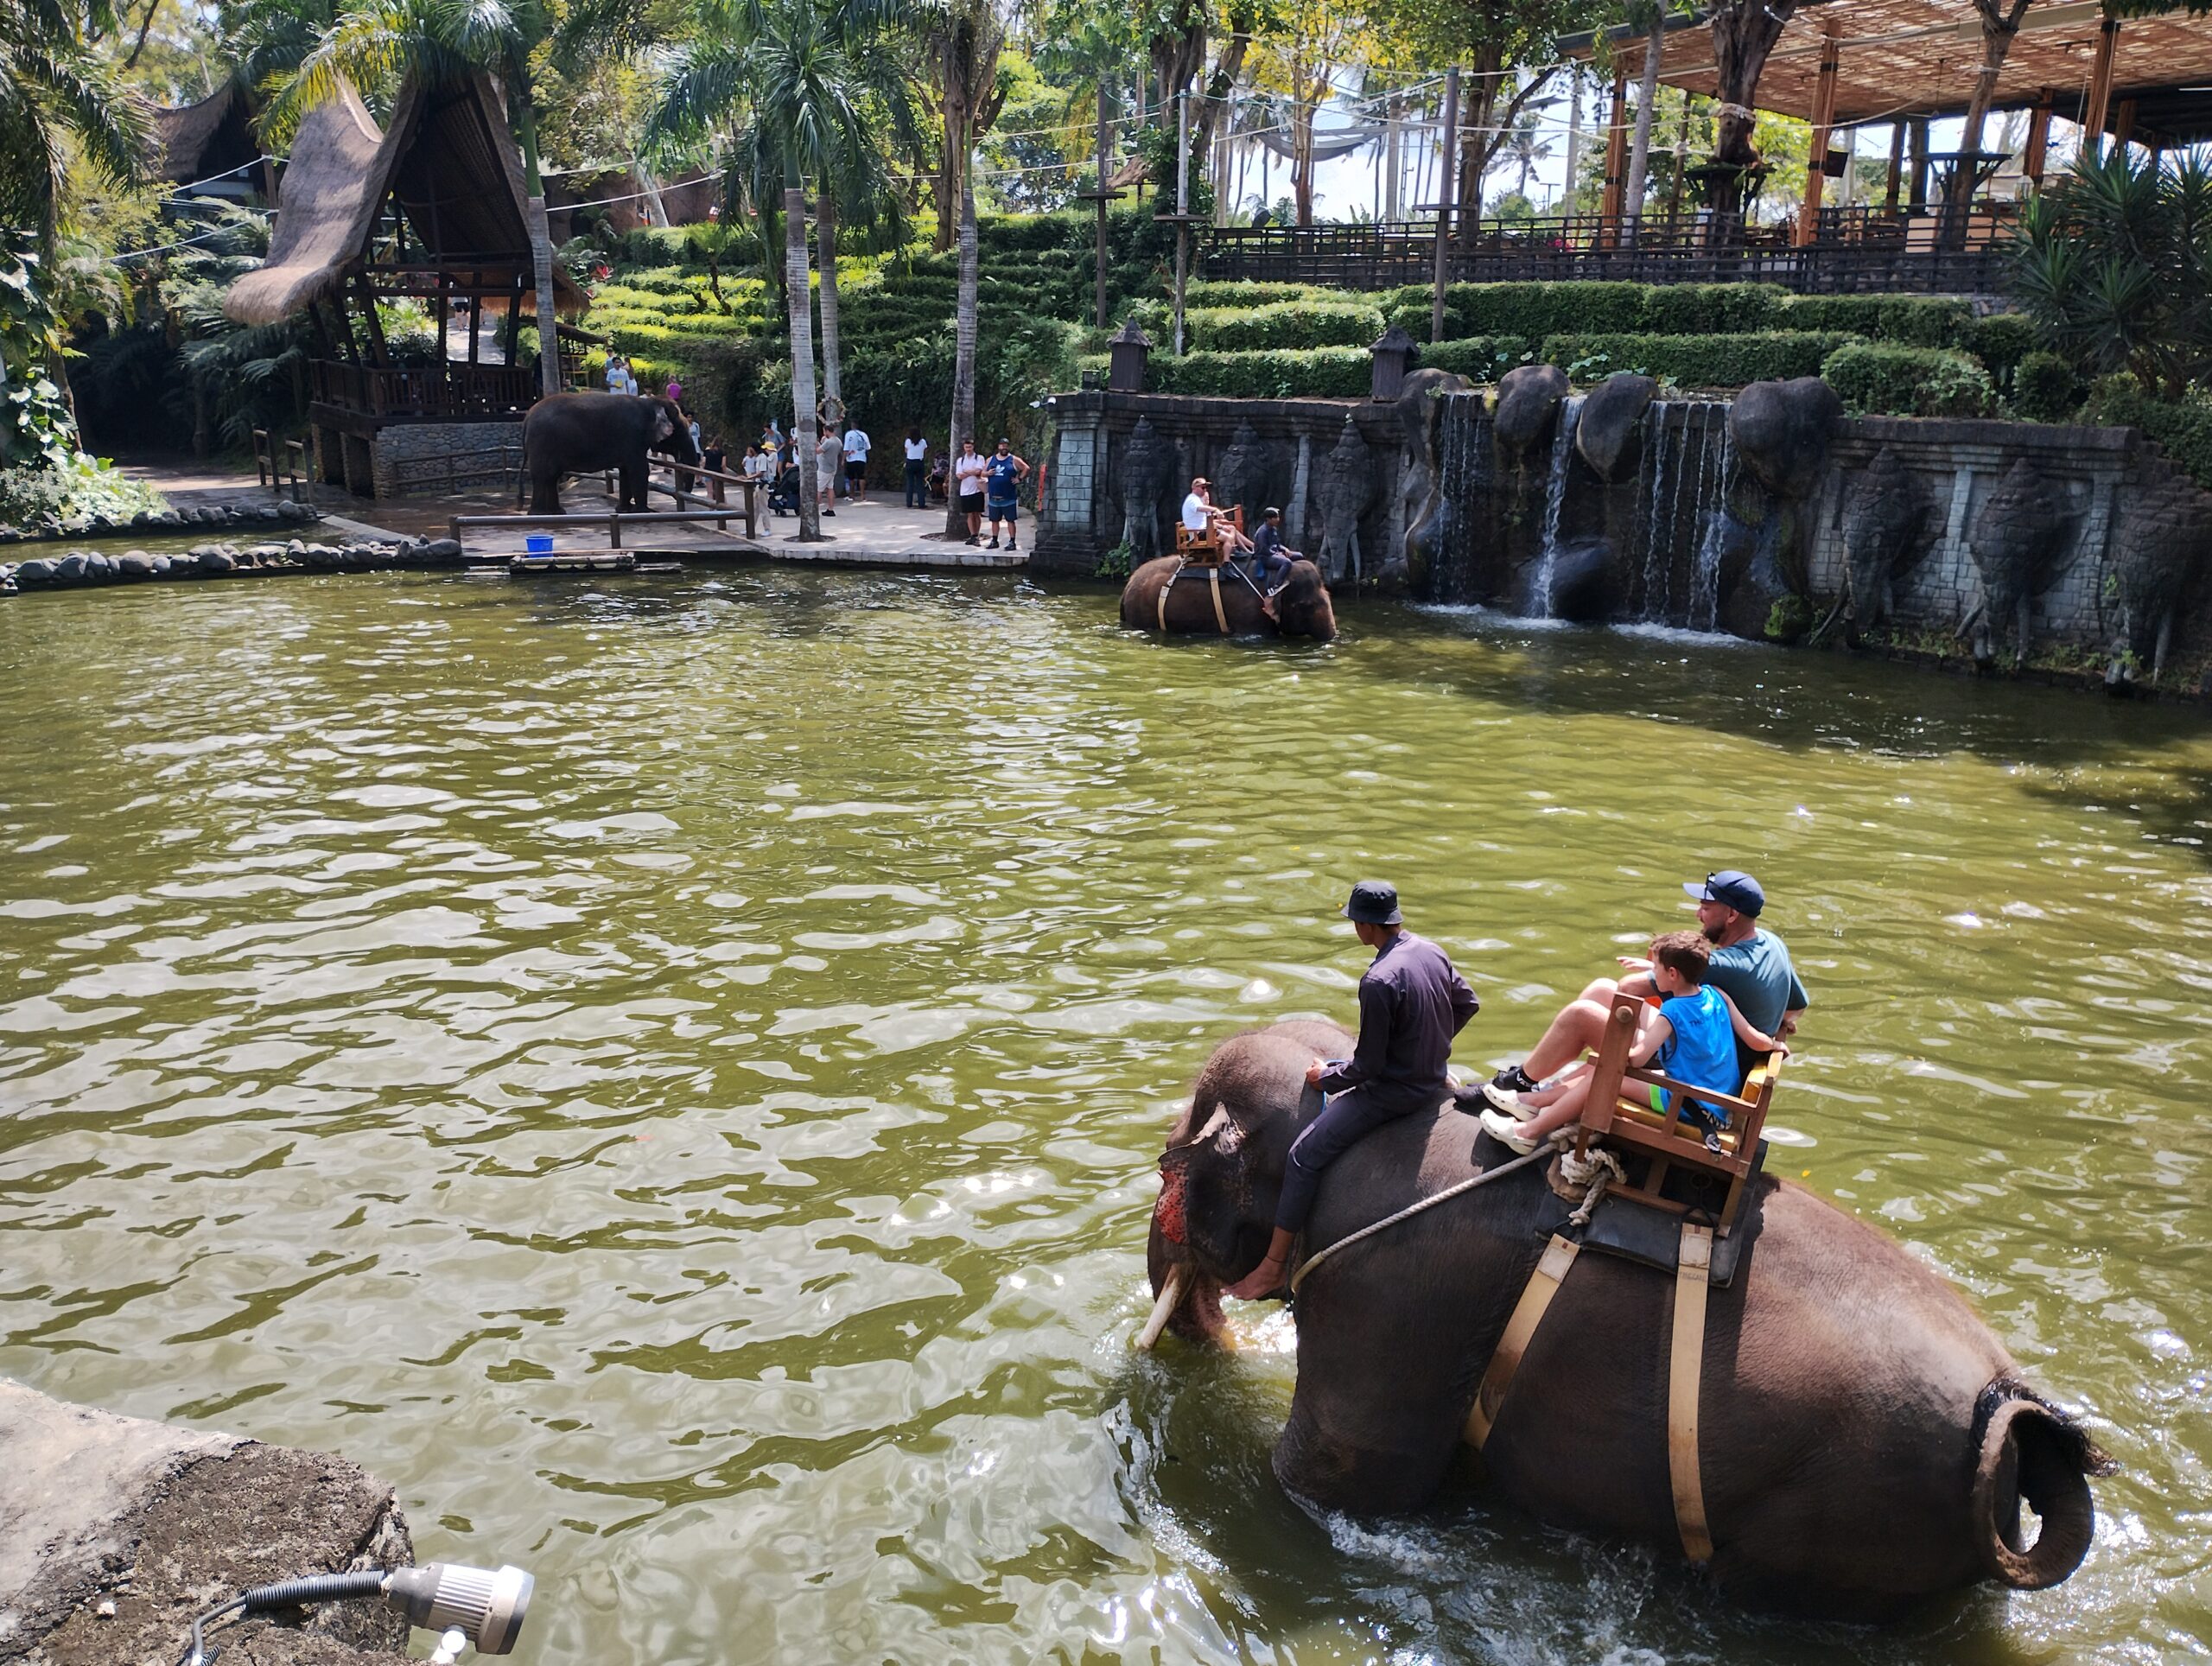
{"x":58,"y":89}
{"x":375,"y":43}
{"x":793,"y":79}
{"x":964,"y":323}
{"x":964,"y":39}
{"x":1652,"y":18}
{"x":1743,"y":32}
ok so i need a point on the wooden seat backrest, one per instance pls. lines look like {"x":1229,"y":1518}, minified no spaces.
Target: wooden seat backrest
{"x":1609,"y":1112}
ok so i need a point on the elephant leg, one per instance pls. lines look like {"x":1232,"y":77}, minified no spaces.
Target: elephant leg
{"x":633,"y":486}
{"x":1361,"y":1464}
{"x":545,"y":494}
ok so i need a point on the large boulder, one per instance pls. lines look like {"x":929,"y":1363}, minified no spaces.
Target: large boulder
{"x":1610,"y":433}
{"x":1528,"y":398}
{"x":1783,"y":431}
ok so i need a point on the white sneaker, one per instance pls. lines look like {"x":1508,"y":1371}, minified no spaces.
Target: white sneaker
{"x":1508,"y":1133}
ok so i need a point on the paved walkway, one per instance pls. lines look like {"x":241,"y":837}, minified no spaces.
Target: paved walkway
{"x":880,"y":532}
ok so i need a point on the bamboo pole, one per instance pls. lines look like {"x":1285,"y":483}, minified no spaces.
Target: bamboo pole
{"x":1447,"y":177}
{"x":1809,"y":211}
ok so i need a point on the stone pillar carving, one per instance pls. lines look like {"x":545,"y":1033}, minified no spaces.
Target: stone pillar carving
{"x":1146,"y":460}
{"x":1347,"y":488}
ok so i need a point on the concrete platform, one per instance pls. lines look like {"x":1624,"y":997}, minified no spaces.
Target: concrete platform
{"x":114,"y":1532}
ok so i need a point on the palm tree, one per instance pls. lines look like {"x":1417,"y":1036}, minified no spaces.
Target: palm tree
{"x":373,"y":43}
{"x":56,"y":89}
{"x":797,"y":76}
{"x":963,"y":348}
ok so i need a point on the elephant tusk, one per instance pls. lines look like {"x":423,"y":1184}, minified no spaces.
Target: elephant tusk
{"x":1171,"y":1296}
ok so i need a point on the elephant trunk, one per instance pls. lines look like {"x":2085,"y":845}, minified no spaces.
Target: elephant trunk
{"x":2033,"y":1451}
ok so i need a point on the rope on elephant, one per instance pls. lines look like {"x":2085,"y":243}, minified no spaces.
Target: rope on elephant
{"x":1590,"y":1176}
{"x":1412,"y":1208}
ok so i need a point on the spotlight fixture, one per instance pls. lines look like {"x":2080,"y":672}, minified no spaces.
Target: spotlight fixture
{"x":484,"y":1608}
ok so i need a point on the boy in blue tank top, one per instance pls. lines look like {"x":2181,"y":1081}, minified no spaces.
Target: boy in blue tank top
{"x":1690,"y":1036}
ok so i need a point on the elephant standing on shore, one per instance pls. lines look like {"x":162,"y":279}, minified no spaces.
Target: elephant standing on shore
{"x":1864,"y":1439}
{"x":1302,"y":605}
{"x":590,"y":433}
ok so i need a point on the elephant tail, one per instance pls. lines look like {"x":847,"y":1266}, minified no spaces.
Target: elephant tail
{"x":2029,"y":1449}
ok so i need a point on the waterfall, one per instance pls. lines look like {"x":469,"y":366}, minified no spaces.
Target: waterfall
{"x":1705,"y":595}
{"x":1570,"y":418}
{"x":1657,"y":530}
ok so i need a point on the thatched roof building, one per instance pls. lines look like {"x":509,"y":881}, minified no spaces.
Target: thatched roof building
{"x":450,"y":169}
{"x":211,"y":140}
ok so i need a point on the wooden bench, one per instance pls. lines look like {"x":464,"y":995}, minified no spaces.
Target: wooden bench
{"x":1205,"y":549}
{"x":1668,"y":1139}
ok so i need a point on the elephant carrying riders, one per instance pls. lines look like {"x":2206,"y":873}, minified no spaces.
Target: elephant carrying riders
{"x":1412,"y":1002}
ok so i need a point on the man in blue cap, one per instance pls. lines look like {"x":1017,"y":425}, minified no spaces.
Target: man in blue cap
{"x":1748,"y":964}
{"x":1411,"y":1004}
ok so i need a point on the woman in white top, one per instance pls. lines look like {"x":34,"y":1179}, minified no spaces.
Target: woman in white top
{"x":968,"y":470}
{"x":917,"y":461}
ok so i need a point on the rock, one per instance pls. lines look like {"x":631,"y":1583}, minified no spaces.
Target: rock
{"x":161,"y":564}
{"x":70,"y":569}
{"x":98,"y":568}
{"x":121,"y":1530}
{"x":1579,"y":590}
{"x":37,"y":570}
{"x":1528,"y":398}
{"x":143,"y":517}
{"x":134,"y":563}
{"x":1611,"y":433}
{"x":214,"y":561}
{"x":10,"y":535}
{"x":1782,"y":432}
{"x":443,"y":549}
{"x":170,"y":518}
{"x":268,"y":512}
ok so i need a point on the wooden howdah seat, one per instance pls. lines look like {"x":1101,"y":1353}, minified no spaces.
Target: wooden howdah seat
{"x":1618,"y":1114}
{"x":1206,"y":549}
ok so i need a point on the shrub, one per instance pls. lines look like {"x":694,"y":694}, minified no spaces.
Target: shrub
{"x":1481,"y":357}
{"x":1284,"y":324}
{"x":1205,"y":292}
{"x":2182,"y":428}
{"x":2045,"y":388}
{"x":1702,"y":361}
{"x":47,"y":497}
{"x":1534,"y":310}
{"x":1717,"y":309}
{"x":2001,"y":341}
{"x":1307,"y":373}
{"x":1876,"y":379}
{"x":1911,"y":320}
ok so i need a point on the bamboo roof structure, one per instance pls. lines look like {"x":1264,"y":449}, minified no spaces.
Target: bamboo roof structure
{"x":213,"y":136}
{"x":448,"y":164}
{"x":1899,"y":59}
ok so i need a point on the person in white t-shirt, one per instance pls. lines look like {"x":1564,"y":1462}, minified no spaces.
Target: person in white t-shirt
{"x":917,"y":466}
{"x":1199,"y":515}
{"x":857,"y":446}
{"x":969,"y":469}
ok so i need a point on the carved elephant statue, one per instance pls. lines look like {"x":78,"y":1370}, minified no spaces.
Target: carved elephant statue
{"x":2019,"y":534}
{"x":589,"y":433}
{"x":1863,"y":1440}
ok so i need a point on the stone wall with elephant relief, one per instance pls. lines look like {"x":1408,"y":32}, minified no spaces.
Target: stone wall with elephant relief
{"x":1122,"y":463}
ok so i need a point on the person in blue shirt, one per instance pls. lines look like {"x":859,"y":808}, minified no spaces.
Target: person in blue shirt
{"x":1691,"y":1036}
{"x":1002,"y":472}
{"x":1271,"y":559}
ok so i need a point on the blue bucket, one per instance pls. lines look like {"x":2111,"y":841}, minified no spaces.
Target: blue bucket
{"x":538,"y":543}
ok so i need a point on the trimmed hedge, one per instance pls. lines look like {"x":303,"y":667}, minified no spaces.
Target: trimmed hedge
{"x":1244,"y":292}
{"x":1697,"y":361}
{"x":2045,"y":389}
{"x":1908,"y":320}
{"x":1718,"y":309}
{"x":1308,"y":373}
{"x":1534,"y":310}
{"x":2183,"y":429}
{"x":1478,"y":358}
{"x":2001,"y":341}
{"x":1879,"y":379}
{"x":1281,"y":325}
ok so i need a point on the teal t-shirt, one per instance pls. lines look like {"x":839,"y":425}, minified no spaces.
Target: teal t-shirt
{"x":1757,"y":976}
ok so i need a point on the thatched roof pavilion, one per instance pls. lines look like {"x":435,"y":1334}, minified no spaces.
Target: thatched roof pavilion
{"x":433,"y":208}
{"x":210,"y":144}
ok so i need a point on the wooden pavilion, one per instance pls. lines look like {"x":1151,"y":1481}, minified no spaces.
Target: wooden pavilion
{"x":432,"y":209}
{"x":208,"y":149}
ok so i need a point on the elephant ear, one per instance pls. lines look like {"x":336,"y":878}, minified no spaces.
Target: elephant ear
{"x":1222,"y":1132}
{"x":663,"y":426}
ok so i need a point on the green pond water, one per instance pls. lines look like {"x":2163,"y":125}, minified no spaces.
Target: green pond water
{"x":670,"y":1077}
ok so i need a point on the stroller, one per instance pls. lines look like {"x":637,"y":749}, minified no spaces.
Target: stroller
{"x":783,"y":496}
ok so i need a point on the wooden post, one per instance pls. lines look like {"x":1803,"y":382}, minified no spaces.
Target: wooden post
{"x":2123,"y":126}
{"x":369,"y":317}
{"x":2037,"y":154}
{"x":1449,"y":176}
{"x":475,"y":313}
{"x":1897,"y":168}
{"x":1809,"y":211}
{"x":1609,"y":207}
{"x":2093,"y":118}
{"x":1917,"y":135}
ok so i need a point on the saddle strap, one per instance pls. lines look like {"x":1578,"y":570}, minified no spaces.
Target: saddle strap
{"x":1164,"y":589}
{"x":1692,"y":1277}
{"x":1528,"y":1313}
{"x":1213,"y":578}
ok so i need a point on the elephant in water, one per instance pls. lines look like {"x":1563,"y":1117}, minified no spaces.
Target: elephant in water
{"x":1864,"y":1439}
{"x":589,"y":433}
{"x":1302,"y":606}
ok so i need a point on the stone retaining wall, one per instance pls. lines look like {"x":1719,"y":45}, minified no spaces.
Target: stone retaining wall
{"x":371,"y":467}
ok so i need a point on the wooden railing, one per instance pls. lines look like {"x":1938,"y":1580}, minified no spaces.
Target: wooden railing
{"x":453,"y":389}
{"x":1854,"y":251}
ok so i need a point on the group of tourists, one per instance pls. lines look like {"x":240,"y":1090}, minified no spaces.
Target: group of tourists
{"x":1713,"y":998}
{"x":1263,"y":553}
{"x":841,"y":453}
{"x":989,"y":490}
